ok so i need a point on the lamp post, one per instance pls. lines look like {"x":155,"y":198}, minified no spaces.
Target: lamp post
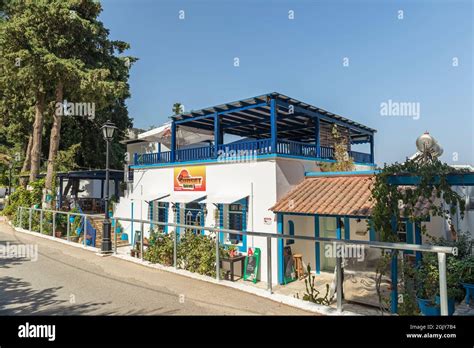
{"x":108,"y":130}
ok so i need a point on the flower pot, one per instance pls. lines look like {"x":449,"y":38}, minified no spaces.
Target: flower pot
{"x":428,"y":308}
{"x":451,"y":307}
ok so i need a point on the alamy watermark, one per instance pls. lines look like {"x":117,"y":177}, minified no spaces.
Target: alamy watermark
{"x":405,"y":109}
{"x":19,"y":251}
{"x":236,"y":156}
{"x":81,"y":109}
{"x":353,"y":251}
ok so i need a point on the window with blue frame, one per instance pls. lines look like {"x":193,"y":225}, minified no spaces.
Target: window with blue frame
{"x":291,"y":232}
{"x":402,"y":231}
{"x":159,"y":212}
{"x":236,"y":222}
{"x":194,"y":216}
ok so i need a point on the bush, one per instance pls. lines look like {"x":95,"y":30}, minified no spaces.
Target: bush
{"x":196,"y":252}
{"x":22,"y":197}
{"x":160,"y":249}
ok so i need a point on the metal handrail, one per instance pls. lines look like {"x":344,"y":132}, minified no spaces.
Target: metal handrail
{"x":440,"y":250}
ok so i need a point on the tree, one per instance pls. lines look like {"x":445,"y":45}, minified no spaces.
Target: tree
{"x":177,"y":108}
{"x":343,"y":162}
{"x":79,"y":62}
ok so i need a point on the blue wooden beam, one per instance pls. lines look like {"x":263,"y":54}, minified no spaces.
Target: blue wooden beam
{"x":280,"y":258}
{"x":217,"y":134}
{"x":223,"y":112}
{"x":317,"y":136}
{"x":317,"y":248}
{"x":372,"y":153}
{"x":173,"y":141}
{"x":273,"y":118}
{"x":324,"y":117}
{"x":394,"y":280}
{"x":461,"y":179}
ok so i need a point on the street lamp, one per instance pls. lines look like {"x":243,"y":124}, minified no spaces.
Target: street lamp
{"x":108,"y":130}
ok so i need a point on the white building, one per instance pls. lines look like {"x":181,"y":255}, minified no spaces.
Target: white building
{"x":226,"y":165}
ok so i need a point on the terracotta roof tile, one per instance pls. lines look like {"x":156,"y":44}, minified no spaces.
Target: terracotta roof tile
{"x":332,"y":195}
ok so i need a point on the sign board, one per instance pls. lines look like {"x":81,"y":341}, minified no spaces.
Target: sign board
{"x":190,"y":178}
{"x":252,"y":265}
{"x":289,"y":273}
{"x":267,"y":221}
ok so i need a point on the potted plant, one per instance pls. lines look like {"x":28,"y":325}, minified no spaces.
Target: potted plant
{"x":427,"y":279}
{"x":232,"y":251}
{"x":467,"y":277}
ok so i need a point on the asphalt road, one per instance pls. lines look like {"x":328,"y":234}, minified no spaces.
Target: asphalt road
{"x":65,"y":280}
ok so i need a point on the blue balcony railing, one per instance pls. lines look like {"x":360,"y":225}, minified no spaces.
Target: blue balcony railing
{"x":247,"y":148}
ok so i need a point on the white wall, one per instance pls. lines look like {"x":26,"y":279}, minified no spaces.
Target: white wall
{"x":270,"y":179}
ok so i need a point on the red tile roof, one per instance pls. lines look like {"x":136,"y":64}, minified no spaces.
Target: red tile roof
{"x":332,"y":195}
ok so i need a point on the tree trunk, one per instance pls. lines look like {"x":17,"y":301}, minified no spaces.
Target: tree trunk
{"x":37,"y":137}
{"x":53,"y":145}
{"x":27,"y":162}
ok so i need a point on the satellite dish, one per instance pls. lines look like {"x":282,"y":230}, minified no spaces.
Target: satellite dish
{"x":427,"y":144}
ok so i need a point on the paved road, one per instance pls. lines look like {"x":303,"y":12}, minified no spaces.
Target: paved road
{"x":71,"y":281}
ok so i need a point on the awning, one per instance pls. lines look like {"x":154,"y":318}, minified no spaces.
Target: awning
{"x":224,"y":198}
{"x":148,"y":197}
{"x":187,"y":197}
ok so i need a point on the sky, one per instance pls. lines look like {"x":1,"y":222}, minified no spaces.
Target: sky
{"x":360,"y":59}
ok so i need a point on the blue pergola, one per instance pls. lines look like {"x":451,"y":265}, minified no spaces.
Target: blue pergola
{"x":273,"y":124}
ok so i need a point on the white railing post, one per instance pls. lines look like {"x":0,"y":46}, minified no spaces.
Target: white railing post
{"x":443,"y":288}
{"x":41,"y":221}
{"x":29,"y":226}
{"x":269,"y":264}
{"x":141,"y":240}
{"x":175,"y":251}
{"x":115,"y":235}
{"x":85,"y":231}
{"x":218,"y":262}
{"x":68,"y":227}
{"x":338,"y":278}
{"x":54,"y":224}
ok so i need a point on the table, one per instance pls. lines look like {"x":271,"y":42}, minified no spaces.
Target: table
{"x":232,"y":261}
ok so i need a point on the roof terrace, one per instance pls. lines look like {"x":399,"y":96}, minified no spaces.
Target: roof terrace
{"x":268,"y":125}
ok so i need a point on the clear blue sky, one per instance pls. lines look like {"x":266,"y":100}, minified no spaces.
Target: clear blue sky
{"x":410,"y":60}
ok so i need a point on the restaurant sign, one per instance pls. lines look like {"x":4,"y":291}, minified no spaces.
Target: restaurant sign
{"x":190,"y":178}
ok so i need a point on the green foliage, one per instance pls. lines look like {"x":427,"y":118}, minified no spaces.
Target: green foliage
{"x":22,"y":197}
{"x":46,"y":42}
{"x":343,"y":162}
{"x":390,"y":202}
{"x":196,"y":252}
{"x":160,"y":249}
{"x":312,"y":294}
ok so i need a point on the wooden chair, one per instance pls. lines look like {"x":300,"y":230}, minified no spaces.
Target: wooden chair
{"x":298,"y":259}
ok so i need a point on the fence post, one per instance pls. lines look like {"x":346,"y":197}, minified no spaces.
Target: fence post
{"x":394,"y":280}
{"x":68,"y":226}
{"x":29,"y":226}
{"x":338,"y":278}
{"x":85,"y":231}
{"x":115,"y":235}
{"x":54,"y":224}
{"x":141,"y":240}
{"x":41,"y":221}
{"x":175,"y":263}
{"x":218,"y":265}
{"x":443,"y":289}
{"x":269,"y":264}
